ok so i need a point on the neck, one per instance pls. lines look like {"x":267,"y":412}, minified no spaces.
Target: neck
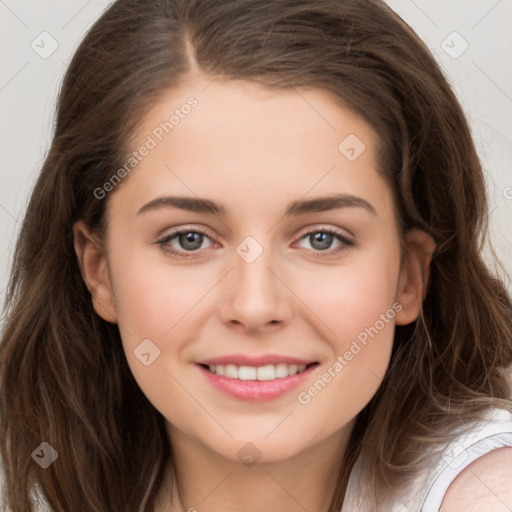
{"x":201,"y":480}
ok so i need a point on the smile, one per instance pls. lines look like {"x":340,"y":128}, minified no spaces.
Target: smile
{"x":268,"y":372}
{"x":256,"y":378}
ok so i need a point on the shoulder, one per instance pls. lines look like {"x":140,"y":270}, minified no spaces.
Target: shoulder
{"x":482,"y":485}
{"x":473,"y":472}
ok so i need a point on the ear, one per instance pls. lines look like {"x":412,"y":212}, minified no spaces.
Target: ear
{"x":414,"y":275}
{"x":93,"y":265}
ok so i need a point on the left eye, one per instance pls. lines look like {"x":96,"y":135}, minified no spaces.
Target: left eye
{"x":190,"y":241}
{"x":322,"y":240}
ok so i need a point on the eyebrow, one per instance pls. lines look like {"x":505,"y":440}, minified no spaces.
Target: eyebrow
{"x":295,"y":208}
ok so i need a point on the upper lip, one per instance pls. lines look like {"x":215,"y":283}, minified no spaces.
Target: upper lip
{"x":263,"y":360}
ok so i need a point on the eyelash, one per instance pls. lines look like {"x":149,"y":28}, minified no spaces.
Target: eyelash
{"x":190,"y":254}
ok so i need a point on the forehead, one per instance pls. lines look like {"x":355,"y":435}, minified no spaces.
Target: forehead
{"x":252,"y":144}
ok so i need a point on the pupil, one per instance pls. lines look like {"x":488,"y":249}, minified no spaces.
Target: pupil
{"x":191,"y":240}
{"x":321,"y":241}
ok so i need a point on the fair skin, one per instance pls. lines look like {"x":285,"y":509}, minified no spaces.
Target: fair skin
{"x":254,"y":151}
{"x":483,"y":485}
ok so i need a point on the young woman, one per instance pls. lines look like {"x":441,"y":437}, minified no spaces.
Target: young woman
{"x":250,"y":274}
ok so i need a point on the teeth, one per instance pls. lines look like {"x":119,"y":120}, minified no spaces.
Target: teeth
{"x":231,"y":371}
{"x":266,"y":372}
{"x":269,"y":372}
{"x":282,"y":371}
{"x":247,"y":373}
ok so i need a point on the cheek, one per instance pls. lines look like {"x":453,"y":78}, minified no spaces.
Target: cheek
{"x":358,"y":306}
{"x":353,"y":297}
{"x":347,"y":382}
{"x":159,"y":303}
{"x":163,"y":303}
{"x":152,"y":297}
{"x":366,"y":298}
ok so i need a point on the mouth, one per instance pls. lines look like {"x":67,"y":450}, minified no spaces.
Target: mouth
{"x":256,"y":379}
{"x":257,"y":373}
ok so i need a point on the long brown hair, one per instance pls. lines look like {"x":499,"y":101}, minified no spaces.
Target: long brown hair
{"x":64,"y":376}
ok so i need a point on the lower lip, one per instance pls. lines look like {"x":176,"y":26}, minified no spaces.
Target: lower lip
{"x":257,"y":390}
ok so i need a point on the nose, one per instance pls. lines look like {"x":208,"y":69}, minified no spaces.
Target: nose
{"x":256,"y":298}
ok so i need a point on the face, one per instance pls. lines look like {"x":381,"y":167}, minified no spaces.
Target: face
{"x":252,"y":263}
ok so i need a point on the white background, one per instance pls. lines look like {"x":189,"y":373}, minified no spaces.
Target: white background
{"x":29,"y":84}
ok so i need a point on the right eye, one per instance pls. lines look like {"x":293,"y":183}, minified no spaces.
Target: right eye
{"x":183,"y":241}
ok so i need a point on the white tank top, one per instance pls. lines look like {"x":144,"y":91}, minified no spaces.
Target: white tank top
{"x":427,"y":491}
